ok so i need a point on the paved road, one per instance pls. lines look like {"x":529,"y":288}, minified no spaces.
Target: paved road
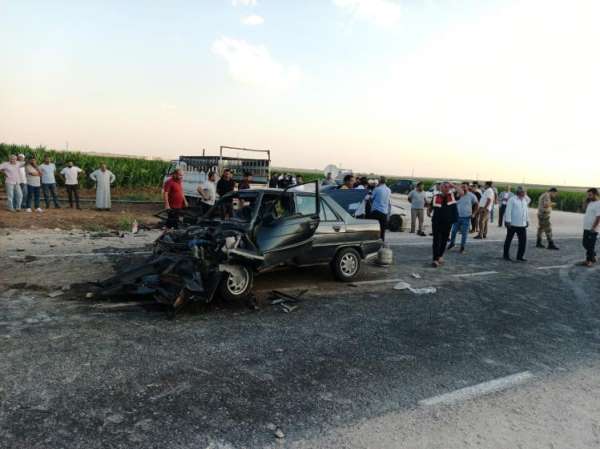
{"x":80,"y":373}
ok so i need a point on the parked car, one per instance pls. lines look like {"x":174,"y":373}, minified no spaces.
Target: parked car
{"x":245,"y":234}
{"x":403,"y":186}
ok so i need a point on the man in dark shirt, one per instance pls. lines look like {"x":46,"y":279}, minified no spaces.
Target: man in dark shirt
{"x":226,"y":184}
{"x":445,"y":214}
{"x":245,"y":182}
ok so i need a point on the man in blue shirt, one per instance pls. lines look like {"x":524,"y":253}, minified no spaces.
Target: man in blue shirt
{"x":467,"y":206}
{"x":381,"y":205}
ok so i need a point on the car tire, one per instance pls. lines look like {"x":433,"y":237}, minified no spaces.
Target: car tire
{"x":233,"y":289}
{"x":346,"y":264}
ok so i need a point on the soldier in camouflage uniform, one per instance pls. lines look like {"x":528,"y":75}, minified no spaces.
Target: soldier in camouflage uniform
{"x":546,"y":203}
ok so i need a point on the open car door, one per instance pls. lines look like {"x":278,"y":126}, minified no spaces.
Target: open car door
{"x":287,"y":223}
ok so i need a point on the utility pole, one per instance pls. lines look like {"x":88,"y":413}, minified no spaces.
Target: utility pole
{"x":67,"y":146}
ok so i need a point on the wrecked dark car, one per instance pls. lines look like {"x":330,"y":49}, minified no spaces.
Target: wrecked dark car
{"x":246,"y":233}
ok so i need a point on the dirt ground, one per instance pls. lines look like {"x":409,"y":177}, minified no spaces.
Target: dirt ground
{"x":119,"y":217}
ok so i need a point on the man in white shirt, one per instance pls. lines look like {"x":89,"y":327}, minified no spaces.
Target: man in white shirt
{"x":486,"y":203}
{"x":49,"y":182}
{"x":591,"y":226}
{"x":208,"y":191}
{"x":517,"y":220}
{"x":71,"y":175}
{"x":14,"y":194}
{"x":22,"y":178}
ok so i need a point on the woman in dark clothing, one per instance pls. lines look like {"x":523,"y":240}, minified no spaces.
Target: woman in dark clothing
{"x":445,"y":214}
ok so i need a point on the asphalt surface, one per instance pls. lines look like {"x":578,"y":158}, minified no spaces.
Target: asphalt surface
{"x":82,"y":373}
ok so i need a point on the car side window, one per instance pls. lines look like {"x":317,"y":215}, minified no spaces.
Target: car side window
{"x":327,"y":213}
{"x":306,"y":204}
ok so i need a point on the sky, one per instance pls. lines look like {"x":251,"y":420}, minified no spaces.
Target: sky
{"x":460,"y":89}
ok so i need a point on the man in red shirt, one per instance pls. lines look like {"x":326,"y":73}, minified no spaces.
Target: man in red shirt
{"x":174,"y":197}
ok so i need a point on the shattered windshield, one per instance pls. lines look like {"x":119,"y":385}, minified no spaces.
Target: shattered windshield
{"x":240,"y":206}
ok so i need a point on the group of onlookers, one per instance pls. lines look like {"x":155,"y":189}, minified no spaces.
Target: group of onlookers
{"x":26,"y":181}
{"x":469,"y":209}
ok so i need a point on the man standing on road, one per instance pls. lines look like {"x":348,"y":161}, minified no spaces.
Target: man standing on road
{"x":34,"y":183}
{"x":485,"y":207}
{"x":14,"y":194}
{"x":329,"y":181}
{"x":466,"y":206}
{"x":174,"y":198}
{"x":48,"y":170}
{"x":416,"y":198}
{"x":517,"y":220}
{"x":348,"y":183}
{"x":103,"y":179}
{"x":545,"y":205}
{"x":445,"y":214}
{"x":22,"y":179}
{"x":244,"y":184}
{"x":381,"y":205}
{"x":226,"y":184}
{"x":71,"y":175}
{"x":503,"y":200}
{"x":208,"y":191}
{"x":591,"y":226}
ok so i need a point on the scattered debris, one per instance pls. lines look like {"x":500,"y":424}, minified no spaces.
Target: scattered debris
{"x":283,"y":300}
{"x":134,"y":227}
{"x":423,"y":291}
{"x":385,"y":256}
{"x":66,"y":287}
{"x":89,"y":295}
{"x":279,"y":433}
{"x":401,"y":286}
{"x":56,"y":293}
{"x":416,"y":275}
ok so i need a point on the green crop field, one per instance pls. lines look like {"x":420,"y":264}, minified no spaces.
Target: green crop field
{"x":139,"y":173}
{"x":130,"y":172}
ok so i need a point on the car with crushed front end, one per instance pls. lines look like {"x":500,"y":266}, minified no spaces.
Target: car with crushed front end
{"x":247,"y":233}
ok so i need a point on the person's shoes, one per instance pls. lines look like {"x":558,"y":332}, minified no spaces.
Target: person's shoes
{"x":57,"y":206}
{"x":450,"y":246}
{"x":435,"y":264}
{"x":422,"y":234}
{"x":551,"y":245}
{"x":462,"y":250}
{"x":10,"y":209}
{"x":78,"y":207}
{"x":28,"y":209}
{"x":412,"y":232}
{"x":507,"y":258}
{"x":478,"y":237}
{"x":39,"y":210}
{"x":521,"y":259}
{"x":538,"y":244}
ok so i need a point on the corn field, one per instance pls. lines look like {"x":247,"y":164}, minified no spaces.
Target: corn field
{"x":130,"y":172}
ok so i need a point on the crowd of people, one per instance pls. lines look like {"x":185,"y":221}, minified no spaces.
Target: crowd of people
{"x":468,"y":208}
{"x":26,"y":181}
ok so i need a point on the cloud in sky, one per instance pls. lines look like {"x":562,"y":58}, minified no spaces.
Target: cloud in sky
{"x":244,"y":2}
{"x":383,"y":13}
{"x":253,"y":64}
{"x":253,"y":20}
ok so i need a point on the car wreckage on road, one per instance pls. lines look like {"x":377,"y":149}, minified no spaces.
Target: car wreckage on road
{"x":244,"y":234}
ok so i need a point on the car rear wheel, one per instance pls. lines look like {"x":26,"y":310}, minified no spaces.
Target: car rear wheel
{"x":346,"y":264}
{"x":237,"y":284}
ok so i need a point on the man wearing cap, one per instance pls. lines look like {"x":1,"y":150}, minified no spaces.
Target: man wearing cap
{"x":516,"y":219}
{"x":545,"y":205}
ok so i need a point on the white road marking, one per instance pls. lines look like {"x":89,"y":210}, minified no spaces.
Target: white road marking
{"x":553,"y":267}
{"x":480,"y":273}
{"x":467,"y":393}
{"x":122,"y":253}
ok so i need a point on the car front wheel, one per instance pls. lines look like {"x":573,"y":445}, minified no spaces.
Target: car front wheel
{"x":346,"y":264}
{"x":236,"y":284}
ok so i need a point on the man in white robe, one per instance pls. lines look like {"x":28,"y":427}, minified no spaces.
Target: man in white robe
{"x":103,"y":179}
